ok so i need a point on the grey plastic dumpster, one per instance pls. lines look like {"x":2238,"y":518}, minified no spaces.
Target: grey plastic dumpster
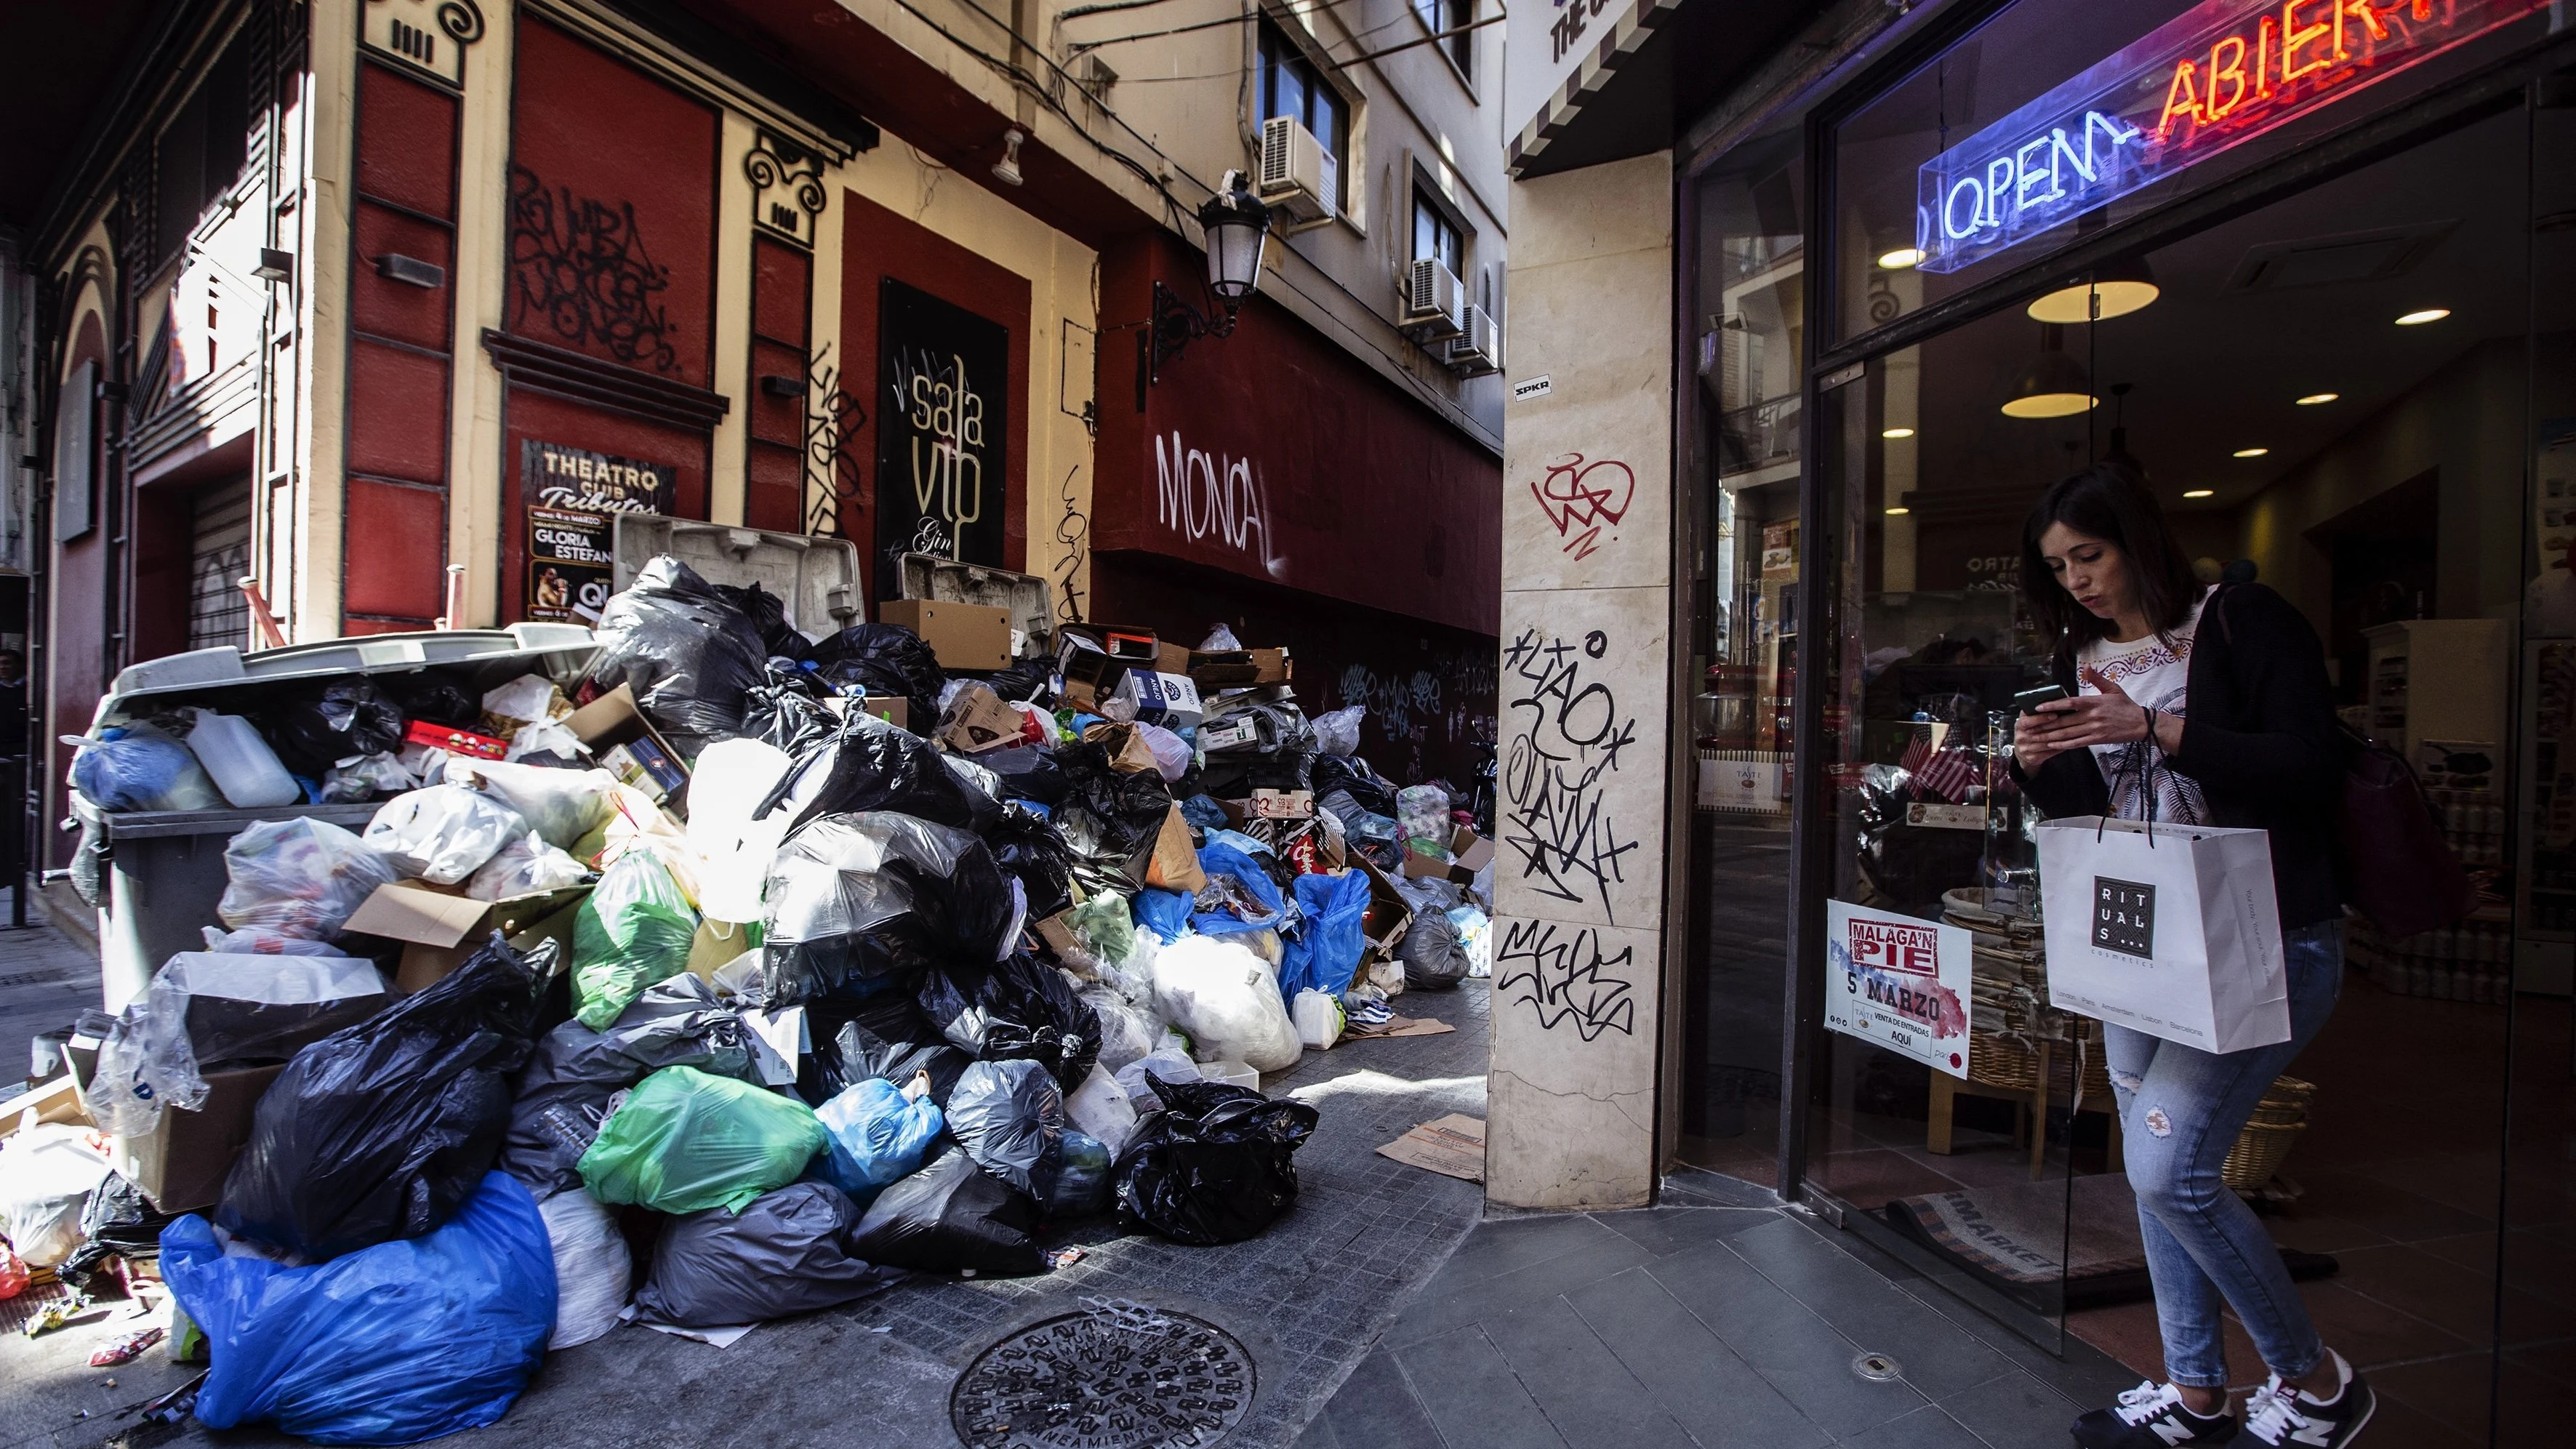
{"x":166,"y":868}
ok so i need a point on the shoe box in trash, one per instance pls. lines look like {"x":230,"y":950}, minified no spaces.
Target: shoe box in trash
{"x":625,"y":744}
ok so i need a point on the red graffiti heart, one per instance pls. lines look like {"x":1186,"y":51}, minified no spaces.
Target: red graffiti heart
{"x":1590,"y":494}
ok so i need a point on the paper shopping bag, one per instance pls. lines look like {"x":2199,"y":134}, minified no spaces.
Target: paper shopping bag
{"x":2171,"y":930}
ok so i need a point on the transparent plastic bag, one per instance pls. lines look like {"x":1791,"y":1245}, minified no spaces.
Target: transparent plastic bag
{"x":525,"y":866}
{"x":1127,"y":1031}
{"x":1102,"y":1109}
{"x":299,"y":877}
{"x":562,"y":805}
{"x":444,"y":833}
{"x":1337,"y":732}
{"x":367,"y":777}
{"x":1422,"y":814}
{"x":1172,"y":754}
{"x":207,"y":1008}
{"x":138,"y":767}
{"x":1219,"y":640}
{"x":47,"y":1173}
{"x":593,"y":1269}
{"x":528,"y":699}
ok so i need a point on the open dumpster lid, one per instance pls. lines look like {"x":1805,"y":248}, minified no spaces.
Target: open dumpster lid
{"x":559,"y":651}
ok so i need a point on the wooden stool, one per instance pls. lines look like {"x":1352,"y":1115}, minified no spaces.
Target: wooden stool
{"x":2030,"y":1119}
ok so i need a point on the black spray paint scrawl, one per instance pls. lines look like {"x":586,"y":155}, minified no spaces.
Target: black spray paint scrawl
{"x":1566,"y":979}
{"x":1564,"y":736}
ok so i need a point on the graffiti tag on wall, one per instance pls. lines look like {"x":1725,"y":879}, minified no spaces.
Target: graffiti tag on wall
{"x":579,"y":264}
{"x":1587,"y":495}
{"x":1202,"y":495}
{"x":1563,"y":976}
{"x":1565,"y":733}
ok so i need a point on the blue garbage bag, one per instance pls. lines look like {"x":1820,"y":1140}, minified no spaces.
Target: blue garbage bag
{"x":1220,"y":857}
{"x":404,"y":1341}
{"x":1326,"y":954}
{"x":877,"y":1137}
{"x":1165,"y":913}
{"x":1203,"y":812}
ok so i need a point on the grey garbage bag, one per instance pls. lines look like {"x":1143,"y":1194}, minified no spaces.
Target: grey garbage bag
{"x":563,"y":1095}
{"x":1009,"y":1116}
{"x":1433,"y":956}
{"x":791,"y":1251}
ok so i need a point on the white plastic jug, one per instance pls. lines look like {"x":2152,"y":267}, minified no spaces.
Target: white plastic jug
{"x":732,"y":851}
{"x":1318,"y":1017}
{"x":244,"y":768}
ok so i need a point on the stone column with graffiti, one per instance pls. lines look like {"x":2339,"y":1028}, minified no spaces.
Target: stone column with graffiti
{"x":1587,"y":578}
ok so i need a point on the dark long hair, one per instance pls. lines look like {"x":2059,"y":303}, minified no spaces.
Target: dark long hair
{"x":2109,"y":501}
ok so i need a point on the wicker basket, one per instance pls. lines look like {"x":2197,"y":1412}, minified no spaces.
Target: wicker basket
{"x":2268,"y":1136}
{"x":2005,"y":1064}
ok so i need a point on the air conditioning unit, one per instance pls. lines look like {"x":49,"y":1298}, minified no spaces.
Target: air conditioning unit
{"x":1296,"y":176}
{"x":1478,"y":348}
{"x":1435,"y":305}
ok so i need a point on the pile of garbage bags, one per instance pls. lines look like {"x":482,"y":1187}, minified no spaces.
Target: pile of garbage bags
{"x":821,"y":1000}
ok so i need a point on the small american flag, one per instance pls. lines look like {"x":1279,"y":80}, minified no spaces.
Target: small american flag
{"x":1944,"y":771}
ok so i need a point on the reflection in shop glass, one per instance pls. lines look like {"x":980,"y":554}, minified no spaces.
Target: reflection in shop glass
{"x":2222,"y":73}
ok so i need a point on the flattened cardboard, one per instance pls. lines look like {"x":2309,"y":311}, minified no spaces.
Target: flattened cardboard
{"x":1057,"y":932}
{"x":1453,"y":1146}
{"x":439,"y":931}
{"x":960,"y":636}
{"x":977,"y":720}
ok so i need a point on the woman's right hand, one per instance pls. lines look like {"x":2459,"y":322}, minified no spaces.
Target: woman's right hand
{"x":2031,"y":747}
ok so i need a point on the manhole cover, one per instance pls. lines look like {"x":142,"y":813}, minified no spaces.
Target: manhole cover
{"x":1877,"y":1367}
{"x":1118,"y":1375}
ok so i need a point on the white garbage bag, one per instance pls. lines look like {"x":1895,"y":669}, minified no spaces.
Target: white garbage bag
{"x":1227,"y":999}
{"x":47,"y":1173}
{"x":444,"y":833}
{"x":593,"y":1270}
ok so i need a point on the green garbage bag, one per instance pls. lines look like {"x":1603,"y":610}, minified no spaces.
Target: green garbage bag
{"x":633,"y":930}
{"x":685,"y":1141}
{"x":1103,"y":923}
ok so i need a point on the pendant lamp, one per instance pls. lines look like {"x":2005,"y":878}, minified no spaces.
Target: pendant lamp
{"x":2052,"y":385}
{"x":2117,"y":289}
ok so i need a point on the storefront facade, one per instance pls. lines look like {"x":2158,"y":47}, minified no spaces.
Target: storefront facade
{"x":2306,"y":266}
{"x":389,"y":306}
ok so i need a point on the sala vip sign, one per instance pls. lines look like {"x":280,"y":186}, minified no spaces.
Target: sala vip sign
{"x":1898,"y":982}
{"x":2208,"y":80}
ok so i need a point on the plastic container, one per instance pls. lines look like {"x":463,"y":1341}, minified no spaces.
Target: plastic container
{"x":244,"y":767}
{"x":1233,"y":1074}
{"x":817,"y":578}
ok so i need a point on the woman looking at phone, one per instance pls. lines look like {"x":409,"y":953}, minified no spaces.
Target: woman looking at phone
{"x":2193,"y":706}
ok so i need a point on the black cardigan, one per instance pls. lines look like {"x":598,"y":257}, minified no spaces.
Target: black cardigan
{"x":2259,"y":735}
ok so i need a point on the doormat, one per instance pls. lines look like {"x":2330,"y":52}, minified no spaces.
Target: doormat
{"x":2021,"y":1237}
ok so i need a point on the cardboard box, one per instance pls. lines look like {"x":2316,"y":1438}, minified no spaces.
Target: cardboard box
{"x":465,"y":743}
{"x":646,"y":766}
{"x":978,"y":720}
{"x":894,"y":709}
{"x":1389,"y":916}
{"x":1470,"y":853}
{"x":181,"y":1164}
{"x":1235,"y":668}
{"x":612,"y":720}
{"x":439,"y":931}
{"x":1169,"y":700}
{"x":1282,"y":805}
{"x":960,"y":636}
{"x":1173,"y":658}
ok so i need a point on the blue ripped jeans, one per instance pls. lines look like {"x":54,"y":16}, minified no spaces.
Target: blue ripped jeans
{"x":2180,"y":1111}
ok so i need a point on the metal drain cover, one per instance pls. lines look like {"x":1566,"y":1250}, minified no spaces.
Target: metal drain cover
{"x":1877,"y":1367}
{"x":1118,"y":1375}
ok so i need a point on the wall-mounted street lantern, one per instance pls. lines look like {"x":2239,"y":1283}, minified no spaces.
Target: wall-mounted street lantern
{"x":1237,"y":227}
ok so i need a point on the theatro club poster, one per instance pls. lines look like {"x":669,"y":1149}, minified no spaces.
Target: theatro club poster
{"x":1899,"y":982}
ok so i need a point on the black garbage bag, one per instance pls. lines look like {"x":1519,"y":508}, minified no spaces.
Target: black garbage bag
{"x":563,"y":1095}
{"x":435,"y":697}
{"x":883,"y":659}
{"x":1027,"y":772}
{"x":118,"y":1221}
{"x":856,"y":899}
{"x":868,"y":764}
{"x":790,"y":1251}
{"x":1015,"y":1010}
{"x":1433,"y":956}
{"x":1028,"y":850}
{"x":782,"y":709}
{"x":1022,"y":683}
{"x":316,"y":726}
{"x":768,"y":614}
{"x":685,"y":651}
{"x":1215,"y":1165}
{"x":855,"y":1052}
{"x":1009,"y":1116}
{"x":1109,"y":817}
{"x":1327,"y":773}
{"x":383,"y":1130}
{"x":953,"y":1217}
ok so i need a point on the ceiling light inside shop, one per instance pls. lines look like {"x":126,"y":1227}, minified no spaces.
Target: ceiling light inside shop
{"x":2200,"y":493}
{"x":2123,"y":287}
{"x":1898,"y":433}
{"x":2249,"y":452}
{"x":2052,"y":385}
{"x":2429,"y":314}
{"x":1901,"y":258}
{"x":1899,"y":512}
{"x":2316,"y":398}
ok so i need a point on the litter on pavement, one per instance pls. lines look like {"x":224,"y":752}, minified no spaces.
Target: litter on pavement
{"x":698,"y":972}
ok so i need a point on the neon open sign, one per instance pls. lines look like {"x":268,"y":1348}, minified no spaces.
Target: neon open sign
{"x":2220,"y":74}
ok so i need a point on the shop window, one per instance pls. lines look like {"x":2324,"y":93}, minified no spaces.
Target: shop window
{"x":1437,"y":235}
{"x":1291,"y":86}
{"x":1448,"y":21}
